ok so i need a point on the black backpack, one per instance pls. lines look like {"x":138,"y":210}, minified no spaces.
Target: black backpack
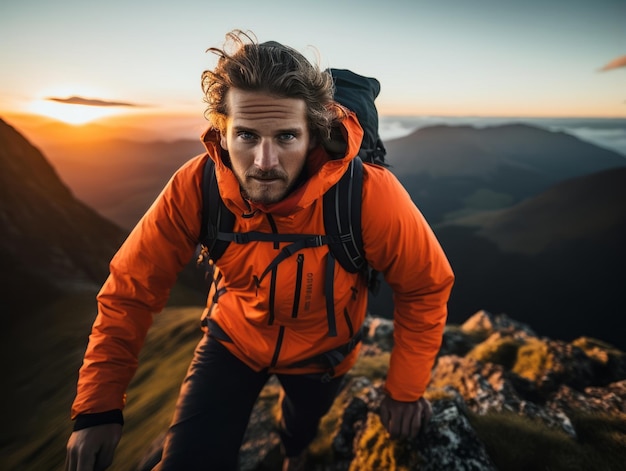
{"x":342,"y":203}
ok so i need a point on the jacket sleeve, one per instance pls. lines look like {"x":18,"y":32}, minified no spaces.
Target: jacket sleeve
{"x":141,"y":276}
{"x":399,"y":243}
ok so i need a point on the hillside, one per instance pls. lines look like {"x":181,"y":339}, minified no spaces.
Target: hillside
{"x":557,"y":261}
{"x":503,"y":398}
{"x":54,"y":256}
{"x":49,"y":241}
{"x":591,"y":207}
{"x":119,"y":178}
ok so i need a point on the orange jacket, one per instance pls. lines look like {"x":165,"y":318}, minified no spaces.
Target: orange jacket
{"x":397,"y":241}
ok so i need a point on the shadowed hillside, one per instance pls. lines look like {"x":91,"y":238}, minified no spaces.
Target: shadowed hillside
{"x":54,"y":256}
{"x":49,"y":241}
{"x":120,"y":178}
{"x":556,"y":261}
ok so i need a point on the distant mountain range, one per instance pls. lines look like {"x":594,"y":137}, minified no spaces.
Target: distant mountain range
{"x":451,"y":171}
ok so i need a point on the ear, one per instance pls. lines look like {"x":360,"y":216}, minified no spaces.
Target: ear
{"x":223,"y":141}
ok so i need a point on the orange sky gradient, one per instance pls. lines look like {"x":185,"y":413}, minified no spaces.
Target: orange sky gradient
{"x":538,"y":58}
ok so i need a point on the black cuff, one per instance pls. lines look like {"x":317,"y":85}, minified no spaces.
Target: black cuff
{"x":100,"y":418}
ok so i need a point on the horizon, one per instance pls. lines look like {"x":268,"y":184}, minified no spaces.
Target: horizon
{"x":536,"y":59}
{"x":608,"y":132}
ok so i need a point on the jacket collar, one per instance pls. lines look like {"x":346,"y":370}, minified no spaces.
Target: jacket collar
{"x":322,"y":170}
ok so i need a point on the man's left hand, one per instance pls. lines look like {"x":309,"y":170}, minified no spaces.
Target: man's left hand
{"x":404,"y":419}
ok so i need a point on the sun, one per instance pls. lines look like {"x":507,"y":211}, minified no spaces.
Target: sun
{"x":70,"y":113}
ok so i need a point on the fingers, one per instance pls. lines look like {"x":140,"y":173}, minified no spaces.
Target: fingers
{"x":414,"y":422}
{"x":404,"y":419}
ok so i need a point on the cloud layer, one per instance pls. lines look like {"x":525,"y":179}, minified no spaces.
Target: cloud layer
{"x":77,"y":100}
{"x":615,"y":64}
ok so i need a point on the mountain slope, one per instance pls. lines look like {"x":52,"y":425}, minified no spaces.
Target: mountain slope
{"x":49,"y":241}
{"x":557,"y":260}
{"x":591,"y":207}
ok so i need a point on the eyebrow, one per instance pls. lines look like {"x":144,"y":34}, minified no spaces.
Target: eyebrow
{"x":296,"y":130}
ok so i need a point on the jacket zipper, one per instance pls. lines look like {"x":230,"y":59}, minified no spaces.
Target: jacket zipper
{"x":296,"y":297}
{"x":279,"y":343}
{"x":273,"y":275}
{"x":349,"y":322}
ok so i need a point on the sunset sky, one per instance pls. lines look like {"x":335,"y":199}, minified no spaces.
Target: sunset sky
{"x":445,"y":57}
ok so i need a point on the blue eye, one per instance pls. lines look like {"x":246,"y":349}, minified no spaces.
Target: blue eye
{"x":286,"y":136}
{"x":245,"y":135}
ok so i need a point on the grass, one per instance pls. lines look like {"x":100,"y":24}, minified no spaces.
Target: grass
{"x":375,"y":451}
{"x":533,"y":360}
{"x":502,"y":351}
{"x":517,"y":443}
{"x":44,"y":350}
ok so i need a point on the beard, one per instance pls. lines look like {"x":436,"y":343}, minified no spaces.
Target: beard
{"x":266,"y":187}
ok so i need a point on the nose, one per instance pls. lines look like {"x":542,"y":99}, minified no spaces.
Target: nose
{"x":266,"y":157}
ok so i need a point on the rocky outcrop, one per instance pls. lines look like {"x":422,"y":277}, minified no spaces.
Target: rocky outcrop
{"x":505,"y":370}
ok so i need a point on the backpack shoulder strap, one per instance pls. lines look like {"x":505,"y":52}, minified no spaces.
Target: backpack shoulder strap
{"x":342,"y":218}
{"x":216,"y":217}
{"x":342,"y":221}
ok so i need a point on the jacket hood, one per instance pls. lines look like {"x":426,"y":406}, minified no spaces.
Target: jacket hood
{"x":325,"y":165}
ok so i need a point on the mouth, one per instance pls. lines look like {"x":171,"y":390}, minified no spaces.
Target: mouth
{"x":265,"y":179}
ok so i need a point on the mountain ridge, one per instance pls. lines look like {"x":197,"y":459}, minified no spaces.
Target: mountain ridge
{"x":47,"y":235}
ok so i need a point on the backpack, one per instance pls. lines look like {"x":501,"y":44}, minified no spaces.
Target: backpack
{"x":341,"y":204}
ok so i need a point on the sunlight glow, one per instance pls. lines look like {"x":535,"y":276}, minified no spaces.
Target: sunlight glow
{"x":72,"y":114}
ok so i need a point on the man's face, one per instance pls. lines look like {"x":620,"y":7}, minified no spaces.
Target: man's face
{"x":268,"y":141}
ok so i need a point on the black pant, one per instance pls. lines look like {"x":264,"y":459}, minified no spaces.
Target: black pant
{"x":215,"y":403}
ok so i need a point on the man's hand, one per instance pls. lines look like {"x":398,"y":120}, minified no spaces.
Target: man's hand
{"x":92,"y":449}
{"x":404,"y":419}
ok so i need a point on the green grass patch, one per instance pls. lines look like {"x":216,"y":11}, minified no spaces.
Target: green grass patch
{"x":375,"y":451}
{"x":517,"y":443}
{"x":502,"y":351}
{"x":533,"y":360}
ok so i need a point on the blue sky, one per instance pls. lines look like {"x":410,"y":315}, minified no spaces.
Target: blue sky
{"x":446,"y":57}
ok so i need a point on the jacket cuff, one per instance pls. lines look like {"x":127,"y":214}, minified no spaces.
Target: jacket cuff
{"x":91,"y":420}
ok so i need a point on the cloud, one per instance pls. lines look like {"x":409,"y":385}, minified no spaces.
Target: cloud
{"x":77,"y":100}
{"x":615,"y":64}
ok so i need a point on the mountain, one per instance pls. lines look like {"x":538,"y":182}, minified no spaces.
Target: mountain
{"x":119,"y":178}
{"x":50,"y":242}
{"x":457,"y":170}
{"x":591,"y":207}
{"x":557,"y":261}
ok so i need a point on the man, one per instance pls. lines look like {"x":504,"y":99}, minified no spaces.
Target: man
{"x":271,"y":114}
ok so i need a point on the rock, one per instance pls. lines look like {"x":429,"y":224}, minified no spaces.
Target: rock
{"x":379,"y":331}
{"x":484,"y":323}
{"x":487,"y":388}
{"x":561,"y":363}
{"x":609,"y":400}
{"x":455,"y":342}
{"x":449,"y":442}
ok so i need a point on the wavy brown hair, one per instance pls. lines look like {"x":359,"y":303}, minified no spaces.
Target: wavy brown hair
{"x":271,"y":68}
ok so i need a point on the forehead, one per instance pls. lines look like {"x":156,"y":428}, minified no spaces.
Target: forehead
{"x":254,"y":109}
